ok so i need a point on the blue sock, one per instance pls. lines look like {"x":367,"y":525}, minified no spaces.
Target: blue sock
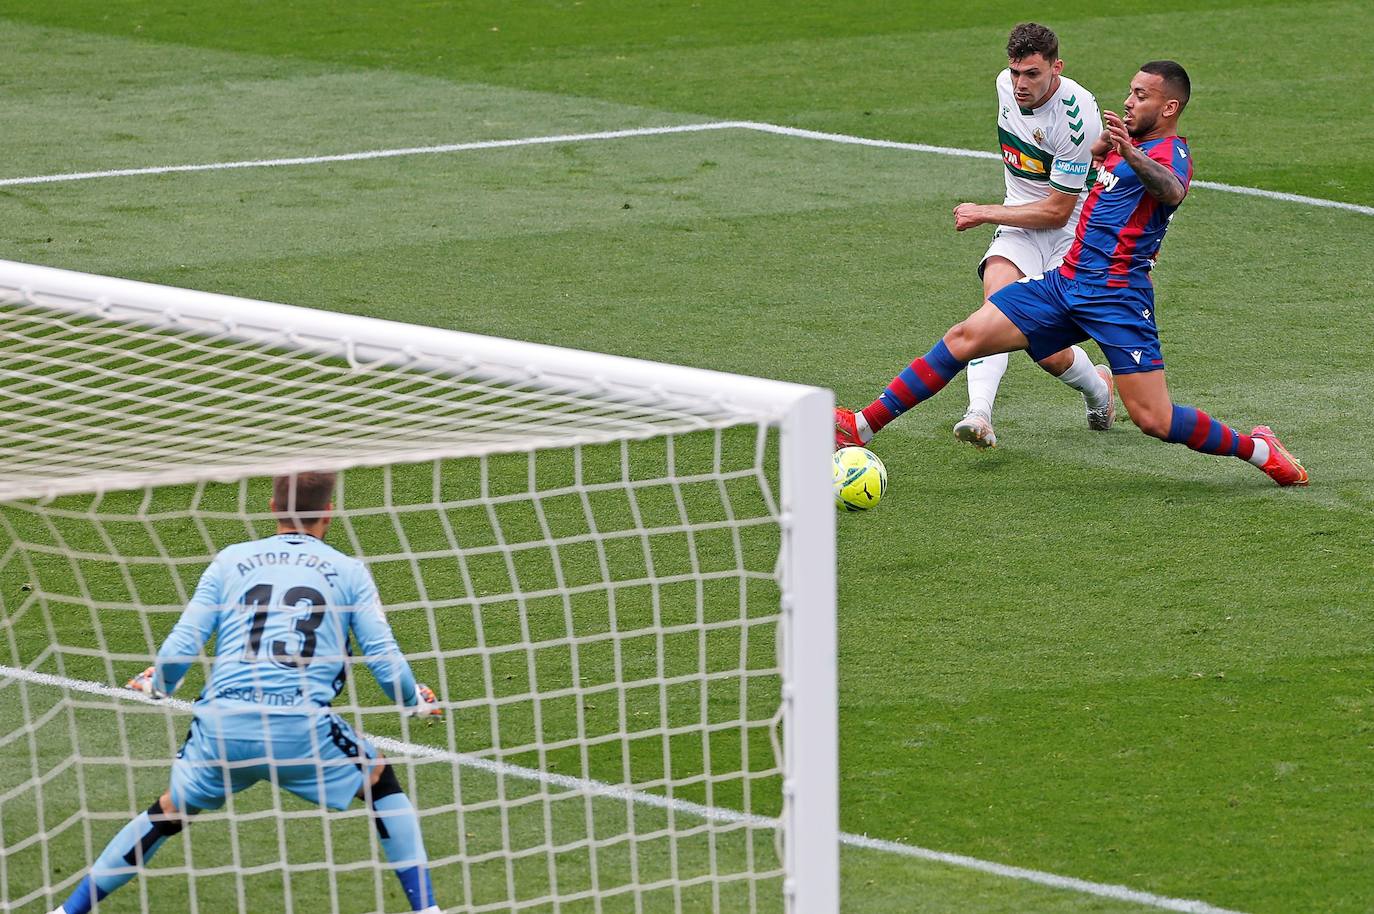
{"x":399,"y":830}
{"x":920,"y":381}
{"x":1199,"y":431}
{"x":133,"y":847}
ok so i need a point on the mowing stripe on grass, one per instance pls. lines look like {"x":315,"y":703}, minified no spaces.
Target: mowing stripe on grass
{"x":711,"y":813}
{"x":758,"y":126}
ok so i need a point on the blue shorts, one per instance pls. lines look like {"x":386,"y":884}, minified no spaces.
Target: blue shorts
{"x":1055,"y":313}
{"x":318,"y":758}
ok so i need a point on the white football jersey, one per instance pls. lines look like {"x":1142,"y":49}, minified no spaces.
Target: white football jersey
{"x":1049,"y":146}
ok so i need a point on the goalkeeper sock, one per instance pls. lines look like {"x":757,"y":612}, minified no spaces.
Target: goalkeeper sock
{"x":925,"y":377}
{"x":399,"y":830}
{"x":1202,"y":433}
{"x":132,"y":848}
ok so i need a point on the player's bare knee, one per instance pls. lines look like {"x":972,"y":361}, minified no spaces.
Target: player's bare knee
{"x":1058,"y":363}
{"x":382,"y":783}
{"x":1152,"y":423}
{"x":166,"y":819}
{"x":379,"y":766}
{"x":961,"y":340}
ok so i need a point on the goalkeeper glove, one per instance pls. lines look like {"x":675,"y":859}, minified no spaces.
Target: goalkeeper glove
{"x":143,"y":682}
{"x":426,"y":705}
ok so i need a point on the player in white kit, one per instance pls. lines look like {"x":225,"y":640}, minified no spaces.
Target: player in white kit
{"x":1047,"y":125}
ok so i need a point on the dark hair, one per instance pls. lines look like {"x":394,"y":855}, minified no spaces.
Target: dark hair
{"x":1176,"y":81}
{"x":1032,"y":38}
{"x":302,"y":497}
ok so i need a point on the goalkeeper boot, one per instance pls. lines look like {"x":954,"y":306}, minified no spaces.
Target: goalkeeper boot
{"x":1100,"y":418}
{"x":976,"y":429}
{"x":846,"y":429}
{"x":1282,"y":467}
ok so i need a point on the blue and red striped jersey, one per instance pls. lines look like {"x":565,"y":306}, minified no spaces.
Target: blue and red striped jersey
{"x":1122,"y":225}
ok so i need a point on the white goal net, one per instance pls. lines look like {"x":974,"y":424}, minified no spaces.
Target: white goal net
{"x":618,"y":577}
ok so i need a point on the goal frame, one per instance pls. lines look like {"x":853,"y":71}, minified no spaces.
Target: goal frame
{"x":803,"y":415}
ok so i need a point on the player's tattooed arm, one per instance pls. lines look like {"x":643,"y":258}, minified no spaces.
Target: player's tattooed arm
{"x":1157,"y":178}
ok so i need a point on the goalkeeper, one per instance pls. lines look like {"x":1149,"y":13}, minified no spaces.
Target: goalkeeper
{"x":283,"y":608}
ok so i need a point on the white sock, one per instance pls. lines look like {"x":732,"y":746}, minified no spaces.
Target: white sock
{"x":865,"y":433}
{"x":1083,"y":377}
{"x":984,"y":376}
{"x":1261,"y":455}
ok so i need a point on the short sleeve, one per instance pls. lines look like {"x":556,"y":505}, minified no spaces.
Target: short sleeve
{"x":1073,"y":158}
{"x":1174,"y":153}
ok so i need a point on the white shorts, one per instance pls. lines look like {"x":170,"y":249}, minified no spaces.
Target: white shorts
{"x":1033,"y":251}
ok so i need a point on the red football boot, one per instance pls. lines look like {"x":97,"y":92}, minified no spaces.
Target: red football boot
{"x":1282,"y":467}
{"x":846,"y":429}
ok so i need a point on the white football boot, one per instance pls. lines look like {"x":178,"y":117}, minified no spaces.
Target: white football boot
{"x":976,"y":429}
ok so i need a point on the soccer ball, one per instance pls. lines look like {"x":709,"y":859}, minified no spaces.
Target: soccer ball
{"x":860,"y":479}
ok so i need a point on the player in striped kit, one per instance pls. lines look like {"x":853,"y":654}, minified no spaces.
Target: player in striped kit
{"x":1102,"y":291}
{"x":1047,"y":125}
{"x":282,"y":609}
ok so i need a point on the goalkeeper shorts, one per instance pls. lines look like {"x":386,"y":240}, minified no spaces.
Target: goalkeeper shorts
{"x":319,"y":758}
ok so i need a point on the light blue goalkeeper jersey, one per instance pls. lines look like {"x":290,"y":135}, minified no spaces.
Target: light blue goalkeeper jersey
{"x":282,"y":608}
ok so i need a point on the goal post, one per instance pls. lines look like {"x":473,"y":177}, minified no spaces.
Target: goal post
{"x":619,"y":574}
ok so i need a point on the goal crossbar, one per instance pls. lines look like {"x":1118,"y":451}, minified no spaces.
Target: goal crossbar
{"x":617,"y":396}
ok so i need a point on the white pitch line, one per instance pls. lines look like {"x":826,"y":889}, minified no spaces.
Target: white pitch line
{"x":848,"y":140}
{"x":983,"y":154}
{"x":757,"y":126}
{"x":371,"y":154}
{"x":710,"y":813}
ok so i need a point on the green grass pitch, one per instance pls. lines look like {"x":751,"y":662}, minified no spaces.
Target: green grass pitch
{"x":1092,"y":655}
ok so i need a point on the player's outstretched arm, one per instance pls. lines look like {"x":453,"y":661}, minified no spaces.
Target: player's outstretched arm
{"x":197,"y":624}
{"x":1052,"y":212}
{"x":384,"y":658}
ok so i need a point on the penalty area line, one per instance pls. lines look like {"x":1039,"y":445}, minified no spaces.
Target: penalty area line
{"x":757,"y":126}
{"x":602,"y":789}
